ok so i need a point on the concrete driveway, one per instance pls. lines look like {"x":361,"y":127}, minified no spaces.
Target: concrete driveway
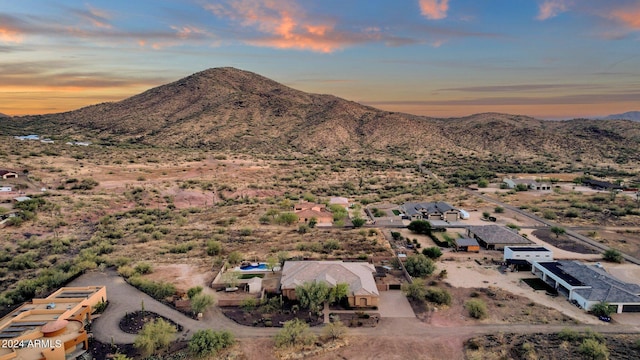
{"x":393,"y":304}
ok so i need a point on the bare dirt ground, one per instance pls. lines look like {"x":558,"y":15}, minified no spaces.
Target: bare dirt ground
{"x":183,"y":276}
{"x":468,"y":274}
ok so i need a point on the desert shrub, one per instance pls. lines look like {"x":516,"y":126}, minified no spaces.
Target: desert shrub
{"x":181,"y":248}
{"x":143,"y":268}
{"x":415,"y":290}
{"x":126,"y":271}
{"x":286,"y":218}
{"x":200,"y":302}
{"x":159,"y":290}
{"x":208,"y":342}
{"x":248,"y":304}
{"x":294,"y":333}
{"x":85,"y":184}
{"x":330,"y":245}
{"x":498,"y":210}
{"x":420,"y":227}
{"x":477,"y":308}
{"x":549,"y":215}
{"x":593,"y":349}
{"x":613,"y":255}
{"x":567,"y":334}
{"x":234,"y":257}
{"x":433,"y":252}
{"x":438,"y":296}
{"x":358,"y":222}
{"x":303,"y":229}
{"x":419,"y":265}
{"x":214,"y":247}
{"x":194,"y":291}
{"x":334,"y":331}
{"x":483,"y":183}
{"x":154,"y":337}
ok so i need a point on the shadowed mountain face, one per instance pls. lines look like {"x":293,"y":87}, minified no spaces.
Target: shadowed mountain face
{"x":230,"y":109}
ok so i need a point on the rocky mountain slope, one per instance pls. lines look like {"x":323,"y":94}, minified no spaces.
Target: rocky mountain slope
{"x":231,"y":109}
{"x":630,"y":115}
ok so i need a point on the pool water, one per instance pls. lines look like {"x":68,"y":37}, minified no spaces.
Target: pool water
{"x":261,"y":266}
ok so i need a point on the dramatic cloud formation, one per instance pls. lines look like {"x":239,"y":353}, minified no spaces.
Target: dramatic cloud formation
{"x":551,"y":8}
{"x":285,"y":25}
{"x":434,"y":9}
{"x":10,"y":29}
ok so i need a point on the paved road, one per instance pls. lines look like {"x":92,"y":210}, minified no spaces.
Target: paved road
{"x":569,"y":232}
{"x":125,"y":298}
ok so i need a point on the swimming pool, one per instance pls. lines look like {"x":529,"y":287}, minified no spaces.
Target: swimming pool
{"x":252,"y":267}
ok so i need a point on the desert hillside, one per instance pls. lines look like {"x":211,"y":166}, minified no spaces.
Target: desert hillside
{"x":231,"y":109}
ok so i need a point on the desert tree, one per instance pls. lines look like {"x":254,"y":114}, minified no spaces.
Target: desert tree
{"x":312,"y":295}
{"x":419,"y":265}
{"x":558,"y":230}
{"x":294,"y":333}
{"x":155,"y":337}
{"x":613,"y":255}
{"x":200,"y":302}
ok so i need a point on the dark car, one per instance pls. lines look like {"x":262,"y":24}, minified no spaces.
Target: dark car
{"x":604,"y":318}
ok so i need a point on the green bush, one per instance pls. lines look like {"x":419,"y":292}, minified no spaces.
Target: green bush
{"x":549,"y":215}
{"x":433,"y":252}
{"x":200,"y":302}
{"x":143,"y":268}
{"x":613,"y":255}
{"x":415,"y":290}
{"x":208,"y":342}
{"x":294,"y":333}
{"x":214,"y":247}
{"x":477,"y":308}
{"x":438,"y":296}
{"x":419,"y":265}
{"x":498,"y":210}
{"x":194,"y":291}
{"x":158,"y":290}
{"x":593,"y":349}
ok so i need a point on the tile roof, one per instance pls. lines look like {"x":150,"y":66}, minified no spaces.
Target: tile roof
{"x":358,"y":275}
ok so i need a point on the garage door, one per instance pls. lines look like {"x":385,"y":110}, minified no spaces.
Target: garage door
{"x":451,"y":217}
{"x":630,"y":308}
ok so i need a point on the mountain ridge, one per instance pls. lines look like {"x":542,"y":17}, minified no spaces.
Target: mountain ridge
{"x":231,"y":109}
{"x":629,"y":115}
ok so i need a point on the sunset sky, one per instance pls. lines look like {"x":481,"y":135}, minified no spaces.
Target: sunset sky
{"x":441,"y":58}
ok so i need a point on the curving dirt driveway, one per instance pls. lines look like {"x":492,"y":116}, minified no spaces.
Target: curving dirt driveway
{"x":125,"y":298}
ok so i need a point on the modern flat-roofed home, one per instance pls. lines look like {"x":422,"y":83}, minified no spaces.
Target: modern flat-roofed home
{"x":587,"y":285}
{"x":7,"y":174}
{"x":55,"y":324}
{"x":363,"y":291}
{"x":522,"y":257}
{"x":430,"y":211}
{"x":531,"y":184}
{"x":307,"y":211}
{"x":495,"y":237}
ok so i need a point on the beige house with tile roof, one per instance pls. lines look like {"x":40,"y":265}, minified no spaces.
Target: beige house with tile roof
{"x":357,"y":275}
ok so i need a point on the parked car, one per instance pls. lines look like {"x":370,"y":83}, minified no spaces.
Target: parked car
{"x":604,"y":318}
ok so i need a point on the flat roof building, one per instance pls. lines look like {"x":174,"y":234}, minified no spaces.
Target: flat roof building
{"x":52,"y":328}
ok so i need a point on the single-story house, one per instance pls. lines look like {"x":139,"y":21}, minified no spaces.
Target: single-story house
{"x":430,"y":211}
{"x":342,"y":201}
{"x":7,"y":174}
{"x":362,"y":292}
{"x":308,"y":206}
{"x":21,"y":199}
{"x":531,"y":184}
{"x":467,"y":244}
{"x":6,"y":189}
{"x":308,"y":210}
{"x":601,"y":185}
{"x":532,"y":253}
{"x":588,"y":285}
{"x":495,"y":237}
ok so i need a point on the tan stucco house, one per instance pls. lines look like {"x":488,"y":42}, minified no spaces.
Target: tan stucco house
{"x":357,"y":275}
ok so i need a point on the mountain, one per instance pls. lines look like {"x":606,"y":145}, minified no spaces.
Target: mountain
{"x":231,"y":109}
{"x":631,"y":115}
{"x":4,"y":115}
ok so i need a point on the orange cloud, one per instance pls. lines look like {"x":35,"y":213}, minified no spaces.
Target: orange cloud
{"x":10,"y":35}
{"x":285,"y":24}
{"x":551,"y":8}
{"x":434,"y":9}
{"x":630,"y":18}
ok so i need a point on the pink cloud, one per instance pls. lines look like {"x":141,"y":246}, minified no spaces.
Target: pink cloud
{"x":10,"y":35}
{"x":552,"y":8}
{"x":629,"y":17}
{"x":434,"y":9}
{"x":285,"y":25}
